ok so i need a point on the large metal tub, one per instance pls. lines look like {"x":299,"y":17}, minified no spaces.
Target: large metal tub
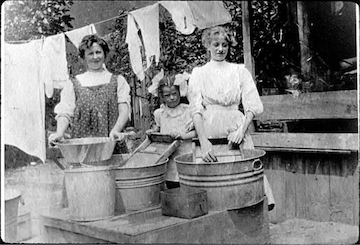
{"x":139,"y":181}
{"x":229,"y":184}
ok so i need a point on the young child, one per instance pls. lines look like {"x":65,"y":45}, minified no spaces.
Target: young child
{"x":173,"y":118}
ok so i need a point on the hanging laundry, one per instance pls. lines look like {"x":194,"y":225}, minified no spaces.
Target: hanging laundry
{"x":148,"y":20}
{"x":53,"y":69}
{"x":181,"y":15}
{"x":209,"y":13}
{"x":134,"y":46}
{"x":77,"y":35}
{"x":23,"y":99}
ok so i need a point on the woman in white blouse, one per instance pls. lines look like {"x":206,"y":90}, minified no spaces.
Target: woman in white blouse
{"x":215,"y":92}
{"x":95,"y":103}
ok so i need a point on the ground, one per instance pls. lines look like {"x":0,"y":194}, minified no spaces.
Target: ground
{"x":41,"y":185}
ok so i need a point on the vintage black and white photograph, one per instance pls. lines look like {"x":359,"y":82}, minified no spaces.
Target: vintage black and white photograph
{"x":181,"y":122}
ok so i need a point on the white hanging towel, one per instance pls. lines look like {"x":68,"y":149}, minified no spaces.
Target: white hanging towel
{"x":77,"y":35}
{"x":209,"y":13}
{"x":148,"y":20}
{"x":23,"y":99}
{"x":181,"y":15}
{"x":134,"y":46}
{"x":53,"y":67}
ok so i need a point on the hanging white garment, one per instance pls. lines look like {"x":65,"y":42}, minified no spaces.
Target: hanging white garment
{"x":148,"y":20}
{"x":23,"y":99}
{"x":134,"y":46}
{"x":77,"y":35}
{"x":53,"y":69}
{"x":181,"y":15}
{"x":209,"y":13}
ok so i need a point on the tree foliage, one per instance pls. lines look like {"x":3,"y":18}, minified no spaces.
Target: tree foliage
{"x":31,"y":19}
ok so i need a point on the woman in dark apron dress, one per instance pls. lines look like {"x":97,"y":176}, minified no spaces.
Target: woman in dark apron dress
{"x":95,"y":103}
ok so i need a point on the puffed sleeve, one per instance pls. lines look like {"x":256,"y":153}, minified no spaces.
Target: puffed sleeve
{"x":66,"y":105}
{"x":123,"y":92}
{"x":157,"y":120}
{"x":194,"y":93}
{"x":250,"y":96}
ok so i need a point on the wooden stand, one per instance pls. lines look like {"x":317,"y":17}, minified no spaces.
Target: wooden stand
{"x":242,"y":226}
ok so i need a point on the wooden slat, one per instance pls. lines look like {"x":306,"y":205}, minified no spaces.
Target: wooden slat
{"x":321,"y":105}
{"x":319,"y":141}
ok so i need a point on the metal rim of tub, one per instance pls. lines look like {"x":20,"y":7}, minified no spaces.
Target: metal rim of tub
{"x":225,"y":162}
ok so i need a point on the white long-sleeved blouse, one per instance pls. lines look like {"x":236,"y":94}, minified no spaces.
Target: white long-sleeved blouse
{"x":224,"y":84}
{"x":66,"y":105}
{"x":216,"y":90}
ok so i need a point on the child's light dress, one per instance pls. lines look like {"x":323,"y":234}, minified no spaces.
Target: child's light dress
{"x":174,"y":120}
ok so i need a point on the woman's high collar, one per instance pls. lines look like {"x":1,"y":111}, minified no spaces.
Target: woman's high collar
{"x":217,"y":64}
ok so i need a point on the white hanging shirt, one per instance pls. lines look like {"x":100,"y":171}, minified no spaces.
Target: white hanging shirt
{"x":23,"y":99}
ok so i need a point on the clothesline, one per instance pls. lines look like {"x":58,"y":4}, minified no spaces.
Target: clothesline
{"x":96,"y":23}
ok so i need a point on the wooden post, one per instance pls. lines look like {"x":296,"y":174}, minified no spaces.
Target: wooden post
{"x":248,"y":58}
{"x":145,"y":109}
{"x":304,"y":32}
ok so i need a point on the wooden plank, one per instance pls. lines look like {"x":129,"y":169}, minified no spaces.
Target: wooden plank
{"x":243,"y":226}
{"x":320,"y":141}
{"x":356,"y":192}
{"x":326,"y":186}
{"x":275,"y":172}
{"x":304,"y":32}
{"x":302,"y":203}
{"x":343,"y":176}
{"x":317,"y":184}
{"x":248,"y":58}
{"x":321,"y":105}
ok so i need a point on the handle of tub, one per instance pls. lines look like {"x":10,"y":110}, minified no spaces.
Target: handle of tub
{"x":22,"y":200}
{"x":257,"y":165}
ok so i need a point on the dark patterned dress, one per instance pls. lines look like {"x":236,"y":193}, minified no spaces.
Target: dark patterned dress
{"x":96,"y":110}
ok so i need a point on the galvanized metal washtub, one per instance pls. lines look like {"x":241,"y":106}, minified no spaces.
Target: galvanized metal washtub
{"x":139,"y":181}
{"x":12,"y":199}
{"x":91,"y":151}
{"x":229,"y":184}
{"x":91,"y":192}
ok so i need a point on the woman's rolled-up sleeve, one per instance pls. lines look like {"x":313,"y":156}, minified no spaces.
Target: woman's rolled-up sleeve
{"x":194,"y":93}
{"x":66,"y":106}
{"x":123,"y":92}
{"x":250,"y":95}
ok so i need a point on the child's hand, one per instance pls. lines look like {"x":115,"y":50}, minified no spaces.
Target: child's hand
{"x":176,"y":135}
{"x":149,"y":131}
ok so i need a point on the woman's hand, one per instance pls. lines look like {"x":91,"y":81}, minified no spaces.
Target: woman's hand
{"x":190,"y":127}
{"x":207,"y":151}
{"x":56,"y":137}
{"x":236,"y":137}
{"x":115,"y":135}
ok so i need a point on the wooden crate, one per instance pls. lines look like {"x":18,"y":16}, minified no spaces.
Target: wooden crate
{"x":183,"y":203}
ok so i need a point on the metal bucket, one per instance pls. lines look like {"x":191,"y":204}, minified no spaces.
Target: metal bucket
{"x":90,"y":192}
{"x":12,"y":198}
{"x":229,"y":184}
{"x":139,"y":182}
